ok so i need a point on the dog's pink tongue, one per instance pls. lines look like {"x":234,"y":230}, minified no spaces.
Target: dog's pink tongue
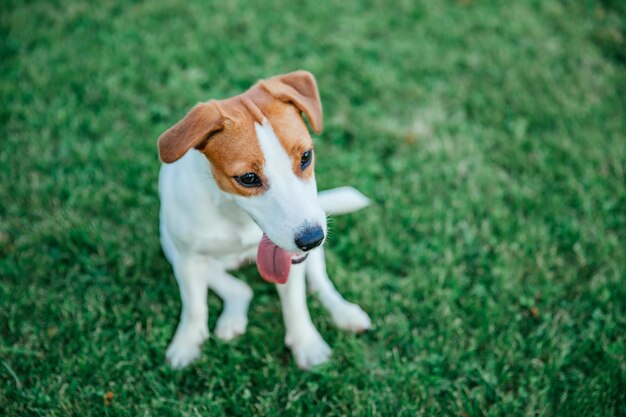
{"x":273,"y":262}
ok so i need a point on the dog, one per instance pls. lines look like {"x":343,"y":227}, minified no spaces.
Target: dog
{"x":237,"y":182}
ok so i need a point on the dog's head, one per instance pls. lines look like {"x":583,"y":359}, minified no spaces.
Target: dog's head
{"x":260,"y":152}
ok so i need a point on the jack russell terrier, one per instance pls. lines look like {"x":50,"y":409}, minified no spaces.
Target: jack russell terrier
{"x":237,"y":183}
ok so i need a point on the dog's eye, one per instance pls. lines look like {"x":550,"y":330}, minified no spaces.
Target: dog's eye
{"x":249,"y":180}
{"x":306,"y":159}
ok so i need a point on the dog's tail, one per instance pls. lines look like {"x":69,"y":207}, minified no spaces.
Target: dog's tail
{"x":342,"y":200}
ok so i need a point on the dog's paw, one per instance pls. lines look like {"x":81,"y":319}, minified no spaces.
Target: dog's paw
{"x":309,"y":351}
{"x":186,"y":345}
{"x":180,"y":355}
{"x":351,"y":317}
{"x":231,"y":325}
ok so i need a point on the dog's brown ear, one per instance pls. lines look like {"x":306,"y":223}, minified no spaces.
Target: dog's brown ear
{"x":300,"y":89}
{"x":193,"y":130}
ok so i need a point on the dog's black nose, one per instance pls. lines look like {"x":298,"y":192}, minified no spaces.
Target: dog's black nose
{"x":310,"y":237}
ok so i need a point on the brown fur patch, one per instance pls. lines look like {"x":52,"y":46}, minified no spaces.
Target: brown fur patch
{"x":235,"y":151}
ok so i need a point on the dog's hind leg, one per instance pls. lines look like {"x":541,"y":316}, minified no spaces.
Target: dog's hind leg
{"x":236,"y":296}
{"x":346,"y":315}
{"x":301,"y":336}
{"x":192,"y":331}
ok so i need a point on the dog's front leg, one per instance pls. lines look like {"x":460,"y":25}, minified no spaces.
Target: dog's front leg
{"x":346,"y":315}
{"x":191,"y":273}
{"x":301,"y":336}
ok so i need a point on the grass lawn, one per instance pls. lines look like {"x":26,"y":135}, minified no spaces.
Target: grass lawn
{"x":490,"y":135}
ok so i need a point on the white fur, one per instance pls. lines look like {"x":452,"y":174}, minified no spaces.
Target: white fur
{"x":206,"y":232}
{"x":342,"y":200}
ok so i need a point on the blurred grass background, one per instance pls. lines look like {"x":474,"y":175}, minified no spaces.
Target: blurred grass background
{"x":489,"y":134}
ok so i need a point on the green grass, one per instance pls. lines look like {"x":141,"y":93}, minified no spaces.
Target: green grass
{"x":490,"y":135}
